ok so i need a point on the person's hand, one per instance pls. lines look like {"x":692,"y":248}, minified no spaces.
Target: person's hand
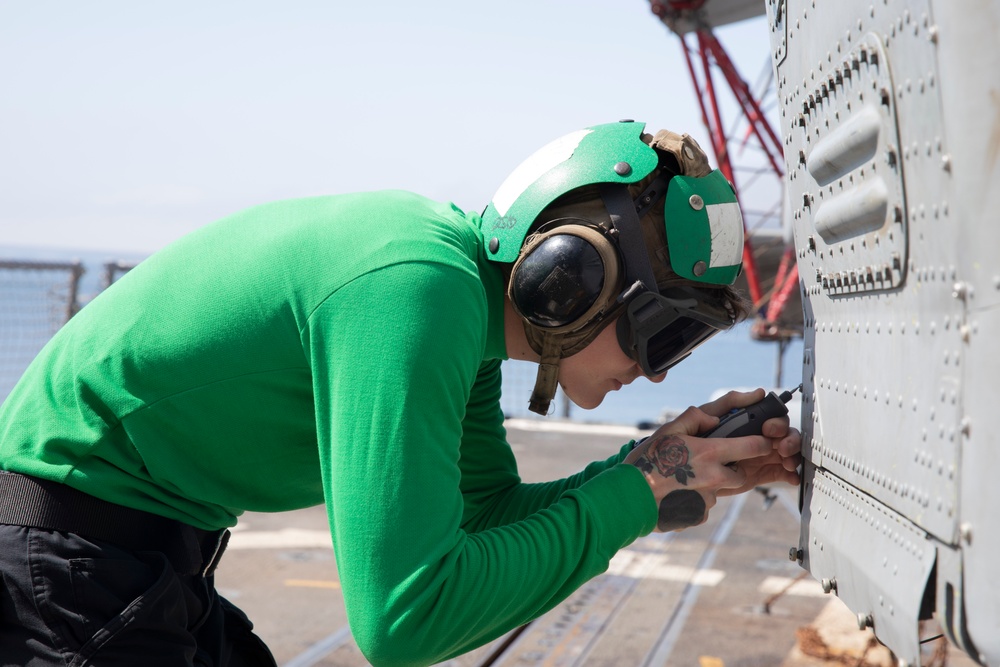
{"x":778,"y":465}
{"x":687,"y":473}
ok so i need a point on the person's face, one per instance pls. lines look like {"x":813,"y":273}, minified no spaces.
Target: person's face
{"x":602,"y":366}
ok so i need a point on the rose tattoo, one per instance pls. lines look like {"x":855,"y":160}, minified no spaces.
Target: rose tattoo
{"x":668,"y":455}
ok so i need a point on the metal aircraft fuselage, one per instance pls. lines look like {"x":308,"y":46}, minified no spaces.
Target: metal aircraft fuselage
{"x":890,"y":115}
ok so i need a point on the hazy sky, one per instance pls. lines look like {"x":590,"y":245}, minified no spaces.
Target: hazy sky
{"x":125,"y":124}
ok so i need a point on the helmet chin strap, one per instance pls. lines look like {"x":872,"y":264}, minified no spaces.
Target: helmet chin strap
{"x":552,"y":349}
{"x":548,"y":375}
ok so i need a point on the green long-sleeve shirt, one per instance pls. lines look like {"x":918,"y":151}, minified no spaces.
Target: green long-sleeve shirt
{"x":341,"y":350}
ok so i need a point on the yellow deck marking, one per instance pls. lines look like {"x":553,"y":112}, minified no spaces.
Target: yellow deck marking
{"x":708,"y":661}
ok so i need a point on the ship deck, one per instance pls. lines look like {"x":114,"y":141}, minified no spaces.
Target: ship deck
{"x":723,"y":594}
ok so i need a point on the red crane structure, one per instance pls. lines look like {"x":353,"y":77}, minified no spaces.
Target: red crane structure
{"x":770,"y":272}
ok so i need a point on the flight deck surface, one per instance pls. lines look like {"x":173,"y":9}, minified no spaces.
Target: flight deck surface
{"x":724,"y":594}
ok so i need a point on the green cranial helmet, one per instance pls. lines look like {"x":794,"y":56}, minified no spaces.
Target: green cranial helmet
{"x":649,"y":213}
{"x":610,"y":153}
{"x":702,"y":220}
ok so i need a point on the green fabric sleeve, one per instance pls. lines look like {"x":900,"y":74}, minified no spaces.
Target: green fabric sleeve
{"x":392,"y":428}
{"x":493,"y":491}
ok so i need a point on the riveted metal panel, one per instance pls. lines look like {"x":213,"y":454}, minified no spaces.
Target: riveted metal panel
{"x":874,"y":241}
{"x":777,"y":13}
{"x":976,"y":582}
{"x":966,"y":36}
{"x":849,"y":173}
{"x":891,"y":550}
{"x":892,"y":145}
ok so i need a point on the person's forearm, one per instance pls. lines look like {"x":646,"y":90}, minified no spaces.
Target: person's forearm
{"x":518,"y":501}
{"x":406,"y":612}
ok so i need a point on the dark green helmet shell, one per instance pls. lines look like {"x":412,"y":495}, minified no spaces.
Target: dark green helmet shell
{"x":704,"y":229}
{"x":609,"y":153}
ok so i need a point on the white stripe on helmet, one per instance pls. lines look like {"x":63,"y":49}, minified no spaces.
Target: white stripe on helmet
{"x":529,"y":171}
{"x":727,"y":234}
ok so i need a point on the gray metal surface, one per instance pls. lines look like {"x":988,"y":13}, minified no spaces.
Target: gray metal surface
{"x":684,"y":16}
{"x":889,"y":114}
{"x":883,"y":573}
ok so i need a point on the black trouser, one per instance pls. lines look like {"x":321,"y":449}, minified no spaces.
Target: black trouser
{"x":66,"y":599}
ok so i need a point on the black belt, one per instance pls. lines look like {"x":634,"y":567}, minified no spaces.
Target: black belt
{"x":38,"y":503}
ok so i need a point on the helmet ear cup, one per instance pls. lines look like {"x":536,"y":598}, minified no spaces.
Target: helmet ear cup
{"x":564,"y":277}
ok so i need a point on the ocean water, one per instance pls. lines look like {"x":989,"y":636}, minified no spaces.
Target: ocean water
{"x":727,"y":361}
{"x":730,"y":360}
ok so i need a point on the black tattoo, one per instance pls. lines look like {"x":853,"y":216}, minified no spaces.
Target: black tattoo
{"x":681,"y":509}
{"x":643,"y":464}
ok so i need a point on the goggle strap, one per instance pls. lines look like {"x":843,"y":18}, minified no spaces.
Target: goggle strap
{"x":621,"y":208}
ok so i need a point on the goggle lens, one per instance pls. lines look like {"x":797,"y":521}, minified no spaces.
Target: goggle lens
{"x":669,"y":346}
{"x":658,"y":331}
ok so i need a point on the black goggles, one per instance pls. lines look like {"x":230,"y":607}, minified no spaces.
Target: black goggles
{"x":661,"y":330}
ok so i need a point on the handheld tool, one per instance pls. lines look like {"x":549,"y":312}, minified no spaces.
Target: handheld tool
{"x":750,"y":420}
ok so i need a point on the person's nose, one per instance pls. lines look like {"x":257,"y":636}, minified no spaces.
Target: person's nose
{"x":657,"y":379}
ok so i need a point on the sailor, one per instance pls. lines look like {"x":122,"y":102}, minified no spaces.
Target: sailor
{"x":346,"y":351}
